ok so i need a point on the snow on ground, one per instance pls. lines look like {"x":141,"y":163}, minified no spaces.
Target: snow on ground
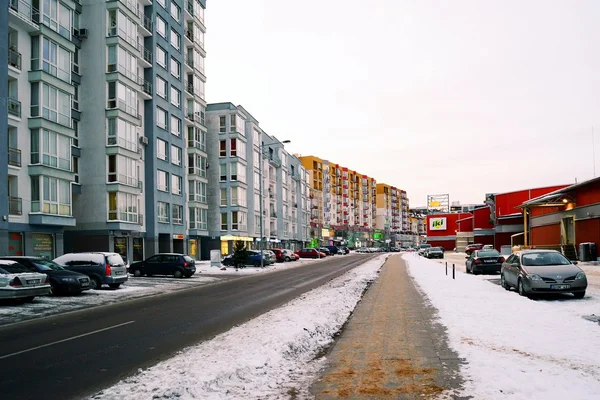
{"x":269,"y":357}
{"x":515,"y":347}
{"x":133,"y":288}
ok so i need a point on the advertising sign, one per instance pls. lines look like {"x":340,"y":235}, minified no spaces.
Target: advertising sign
{"x":437,"y":224}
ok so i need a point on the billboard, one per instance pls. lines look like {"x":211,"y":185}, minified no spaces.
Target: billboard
{"x":438,"y":203}
{"x":437,"y":224}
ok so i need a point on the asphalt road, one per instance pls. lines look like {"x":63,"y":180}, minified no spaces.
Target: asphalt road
{"x":77,"y":354}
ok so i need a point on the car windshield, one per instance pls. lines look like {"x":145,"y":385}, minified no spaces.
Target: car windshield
{"x":188,"y":259}
{"x":488,"y":253}
{"x":543,"y":259}
{"x":425,"y":246}
{"x":434,"y":249}
{"x":15,"y":268}
{"x":47,"y":265}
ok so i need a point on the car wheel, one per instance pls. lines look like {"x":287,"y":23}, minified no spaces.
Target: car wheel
{"x":467,"y":268}
{"x":287,"y":259}
{"x":503,"y":282}
{"x":137,"y":273}
{"x":54,"y":290}
{"x":28,"y":299}
{"x":520,"y":288}
{"x":473,"y":270}
{"x":114,"y":285}
{"x":95,"y":283}
{"x":178,"y":274}
{"x":256,"y":264}
{"x":579,"y":295}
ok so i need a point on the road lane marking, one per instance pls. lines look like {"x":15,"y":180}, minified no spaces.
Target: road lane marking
{"x":65,"y":340}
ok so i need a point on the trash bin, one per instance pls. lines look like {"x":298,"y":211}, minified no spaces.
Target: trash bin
{"x":584,"y":251}
{"x":593,"y":252}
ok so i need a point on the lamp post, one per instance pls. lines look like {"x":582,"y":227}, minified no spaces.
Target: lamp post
{"x":260,"y":195}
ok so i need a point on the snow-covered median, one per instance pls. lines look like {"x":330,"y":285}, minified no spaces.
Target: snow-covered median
{"x":269,"y":357}
{"x":515,"y":347}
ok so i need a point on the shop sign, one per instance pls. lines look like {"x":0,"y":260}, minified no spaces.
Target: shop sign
{"x":178,"y":236}
{"x":437,"y":224}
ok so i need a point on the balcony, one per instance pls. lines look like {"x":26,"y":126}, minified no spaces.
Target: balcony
{"x":189,"y":35}
{"x":189,"y":114}
{"x":146,"y":59}
{"x":14,"y":107}
{"x":274,"y":160}
{"x":15,"y":206}
{"x":146,"y":24}
{"x":24,"y":13}
{"x":189,"y":87}
{"x":14,"y":59}
{"x":14,"y":157}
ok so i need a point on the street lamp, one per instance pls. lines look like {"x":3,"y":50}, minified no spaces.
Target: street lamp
{"x":260,"y":195}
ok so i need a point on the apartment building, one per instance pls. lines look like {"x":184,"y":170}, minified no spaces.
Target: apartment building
{"x":250,"y":163}
{"x":319,"y":228}
{"x":39,"y":87}
{"x":392,"y":214}
{"x":114,"y":180}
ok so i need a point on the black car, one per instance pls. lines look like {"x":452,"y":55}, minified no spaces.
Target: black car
{"x":325,"y":250}
{"x":335,"y":250}
{"x":434,"y":252}
{"x":178,"y":265}
{"x":62,"y":281}
{"x":484,"y":261}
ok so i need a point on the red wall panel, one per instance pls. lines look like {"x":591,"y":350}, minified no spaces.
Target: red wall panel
{"x":485,"y":239}
{"x":588,"y":230}
{"x":538,"y":212}
{"x":465,"y":225}
{"x":506,"y":203}
{"x":545,"y":235}
{"x":481,"y":218}
{"x":451,"y":224}
{"x":448,"y":245}
{"x":503,"y":239}
{"x":589,"y":194}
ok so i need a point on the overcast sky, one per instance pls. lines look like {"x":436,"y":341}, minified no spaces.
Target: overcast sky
{"x":462,"y":97}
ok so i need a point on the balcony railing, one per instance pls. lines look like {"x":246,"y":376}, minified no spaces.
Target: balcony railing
{"x":147,"y":22}
{"x":146,"y":54}
{"x":14,"y":107}
{"x":189,"y":34}
{"x":14,"y":157}
{"x":14,"y":59}
{"x":189,"y":61}
{"x":15,"y":206}
{"x":25,"y":10}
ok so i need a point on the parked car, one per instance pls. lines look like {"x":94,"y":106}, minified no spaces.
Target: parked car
{"x":310,"y":253}
{"x":542,"y":272}
{"x":335,"y":250}
{"x":248,"y":257}
{"x":18,"y":282}
{"x":178,"y":265}
{"x":473,"y":246}
{"x":434,"y":252}
{"x":324,"y":250}
{"x":279,"y":256}
{"x":289,"y":255}
{"x":487,"y":247}
{"x":62,"y":281}
{"x":423,"y":248}
{"x":103,"y":268}
{"x":346,"y":249}
{"x":484,"y":261}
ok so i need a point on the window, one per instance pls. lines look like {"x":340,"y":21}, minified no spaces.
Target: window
{"x":175,"y":97}
{"x":161,"y":149}
{"x":238,"y":196}
{"x":223,"y":197}
{"x":177,"y":212}
{"x":197,"y":165}
{"x":55,"y":149}
{"x":56,"y":16}
{"x":256,"y":180}
{"x":257,"y":223}
{"x":256,"y":137}
{"x":162,"y":212}
{"x":161,"y":87}
{"x":175,"y":11}
{"x":175,"y":67}
{"x":55,"y":104}
{"x":50,"y":195}
{"x":196,"y":138}
{"x":56,"y":60}
{"x":123,"y":207}
{"x":224,"y":224}
{"x":238,"y":172}
{"x":222,"y":128}
{"x":175,"y":126}
{"x":161,"y":118}
{"x":162,"y":181}
{"x":175,"y":155}
{"x":122,"y":97}
{"x":237,"y":124}
{"x":238,"y":149}
{"x":161,"y":57}
{"x":256,"y":155}
{"x":123,"y":170}
{"x":197,"y":191}
{"x":175,"y":39}
{"x":238,"y":221}
{"x":198,"y":218}
{"x":223,"y":172}
{"x":122,"y":61}
{"x":175,"y":184}
{"x":198,"y":62}
{"x":232,"y":125}
{"x":161,"y":27}
{"x":233,"y":151}
{"x":256,"y":202}
{"x":162,"y":3}
{"x":222,"y":148}
{"x":120,"y":25}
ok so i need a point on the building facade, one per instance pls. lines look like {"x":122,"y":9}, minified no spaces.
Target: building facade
{"x":252,"y":166}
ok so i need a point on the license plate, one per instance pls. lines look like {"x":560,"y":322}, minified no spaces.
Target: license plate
{"x":33,"y":281}
{"x":559,"y":287}
{"x":489,"y":261}
{"x":118,"y":273}
{"x":85,"y":284}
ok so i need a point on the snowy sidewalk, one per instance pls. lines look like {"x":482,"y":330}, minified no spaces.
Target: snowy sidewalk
{"x":391,"y":348}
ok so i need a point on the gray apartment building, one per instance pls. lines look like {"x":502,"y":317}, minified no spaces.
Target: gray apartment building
{"x":105,"y":127}
{"x":242,"y":153}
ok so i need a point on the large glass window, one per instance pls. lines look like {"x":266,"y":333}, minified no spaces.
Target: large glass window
{"x":56,"y":60}
{"x":175,"y":97}
{"x":176,"y":184}
{"x":224,"y":224}
{"x":223,"y":172}
{"x":161,"y":149}
{"x":238,"y":149}
{"x":197,"y":165}
{"x":176,"y":155}
{"x":197,"y":191}
{"x":161,"y":87}
{"x":161,"y":118}
{"x":123,"y":207}
{"x":162,"y":212}
{"x":50,"y":195}
{"x":55,"y":149}
{"x":175,"y":11}
{"x":123,"y":170}
{"x":238,"y":196}
{"x":56,"y":16}
{"x":238,"y":221}
{"x":224,"y":200}
{"x":122,"y":61}
{"x":161,"y":57}
{"x":175,"y":67}
{"x":196,"y":138}
{"x":175,"y":39}
{"x":119,"y":24}
{"x":122,"y":133}
{"x":162,"y":181}
{"x":198,"y":218}
{"x":122,"y":97}
{"x":55,"y":104}
{"x":177,"y":213}
{"x":161,"y":27}
{"x":175,"y":126}
{"x":238,"y":172}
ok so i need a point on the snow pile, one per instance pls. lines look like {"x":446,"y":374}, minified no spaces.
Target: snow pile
{"x":514,"y":347}
{"x":268,"y":357}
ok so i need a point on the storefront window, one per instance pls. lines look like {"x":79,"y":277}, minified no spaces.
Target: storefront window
{"x":138,"y":249}
{"x":194,"y":249}
{"x":15,"y":244}
{"x":42,"y":245}
{"x":121,"y":247}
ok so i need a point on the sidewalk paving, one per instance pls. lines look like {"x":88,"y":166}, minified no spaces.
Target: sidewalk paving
{"x":391,"y":347}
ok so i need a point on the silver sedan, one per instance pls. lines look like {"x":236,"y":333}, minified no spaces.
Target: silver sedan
{"x":18,"y":282}
{"x":542,"y":272}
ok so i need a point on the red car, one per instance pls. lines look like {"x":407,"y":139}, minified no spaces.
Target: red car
{"x":310,"y":253}
{"x":473,"y":246}
{"x":279,"y":256}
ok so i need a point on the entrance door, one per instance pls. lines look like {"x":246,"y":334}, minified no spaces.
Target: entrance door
{"x":568,"y":230}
